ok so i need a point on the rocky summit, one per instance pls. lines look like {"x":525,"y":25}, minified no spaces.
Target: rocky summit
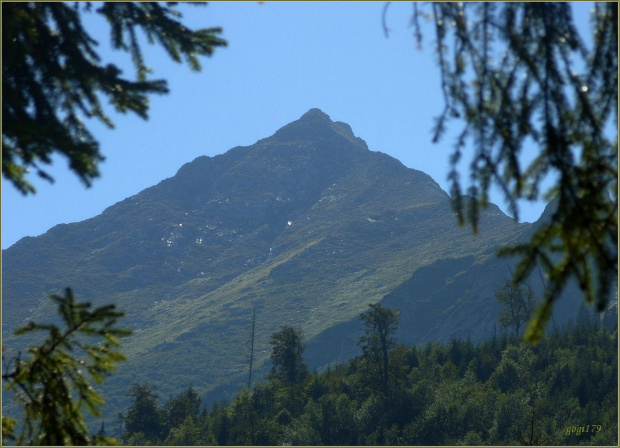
{"x":306,"y":227}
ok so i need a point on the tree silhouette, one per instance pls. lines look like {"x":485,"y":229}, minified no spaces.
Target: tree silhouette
{"x":518,"y":304}
{"x":289,"y":372}
{"x":380,"y":324}
{"x":520,"y":74}
{"x":52,"y":73}
{"x":143,"y":416}
{"x":53,"y":384}
{"x":288,"y":364}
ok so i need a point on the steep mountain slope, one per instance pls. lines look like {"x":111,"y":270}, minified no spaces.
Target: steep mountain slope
{"x":307,"y":227}
{"x":449,"y":298}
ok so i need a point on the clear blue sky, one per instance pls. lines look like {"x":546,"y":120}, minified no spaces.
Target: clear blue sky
{"x":282,"y":59}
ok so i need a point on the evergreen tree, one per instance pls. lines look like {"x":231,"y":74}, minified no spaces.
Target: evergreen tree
{"x":518,"y":305}
{"x":288,"y":364}
{"x":54,"y":384}
{"x":144,"y":416}
{"x":530,"y":396}
{"x":289,"y":371}
{"x":221,"y":424}
{"x":52,"y":73}
{"x":380,"y":325}
{"x":177,"y":409}
{"x":101,"y":432}
{"x":520,"y":73}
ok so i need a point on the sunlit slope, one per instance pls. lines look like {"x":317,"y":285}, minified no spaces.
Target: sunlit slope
{"x":307,"y":227}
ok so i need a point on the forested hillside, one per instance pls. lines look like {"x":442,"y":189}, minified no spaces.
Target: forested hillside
{"x":499,"y":392}
{"x":306,"y":226}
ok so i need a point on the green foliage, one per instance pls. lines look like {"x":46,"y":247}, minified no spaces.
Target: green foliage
{"x":380,"y":324}
{"x":51,"y":73}
{"x":54,"y":383}
{"x":257,"y":417}
{"x":143,"y":416}
{"x":529,"y":395}
{"x":8,"y":429}
{"x":515,"y":78}
{"x":191,"y":432}
{"x":178,"y":409}
{"x":289,"y":369}
{"x":185,"y":295}
{"x":518,"y":304}
{"x":288,"y":364}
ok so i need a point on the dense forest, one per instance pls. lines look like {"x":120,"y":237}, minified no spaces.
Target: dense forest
{"x":502,"y":391}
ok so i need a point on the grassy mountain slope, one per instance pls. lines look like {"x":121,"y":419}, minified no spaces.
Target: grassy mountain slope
{"x":307,"y":227}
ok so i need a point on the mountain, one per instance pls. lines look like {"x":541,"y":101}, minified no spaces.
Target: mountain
{"x":307,"y":227}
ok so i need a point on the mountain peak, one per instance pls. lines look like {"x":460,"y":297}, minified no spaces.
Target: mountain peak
{"x":305,"y":226}
{"x":317,"y":125}
{"x":315,"y":114}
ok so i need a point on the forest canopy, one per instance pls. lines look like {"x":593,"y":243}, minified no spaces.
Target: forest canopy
{"x":499,"y":392}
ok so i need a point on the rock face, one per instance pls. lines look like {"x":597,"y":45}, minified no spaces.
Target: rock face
{"x":307,"y":226}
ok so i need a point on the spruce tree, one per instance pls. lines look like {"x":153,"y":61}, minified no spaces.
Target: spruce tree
{"x":520,"y":74}
{"x":53,"y":384}
{"x":378,"y":340}
{"x":53,"y":78}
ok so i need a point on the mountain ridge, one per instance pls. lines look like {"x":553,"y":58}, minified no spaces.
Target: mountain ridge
{"x":306,"y":227}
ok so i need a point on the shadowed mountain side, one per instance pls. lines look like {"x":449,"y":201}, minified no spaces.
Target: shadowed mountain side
{"x":307,"y":226}
{"x":448,"y":299}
